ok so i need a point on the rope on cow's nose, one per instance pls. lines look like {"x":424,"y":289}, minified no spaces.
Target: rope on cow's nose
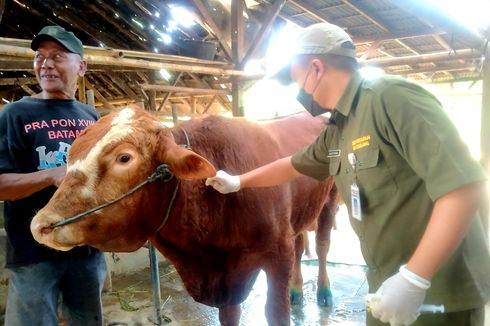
{"x":162,"y":172}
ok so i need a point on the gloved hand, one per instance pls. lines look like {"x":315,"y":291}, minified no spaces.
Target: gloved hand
{"x":399,"y":298}
{"x":224,"y":183}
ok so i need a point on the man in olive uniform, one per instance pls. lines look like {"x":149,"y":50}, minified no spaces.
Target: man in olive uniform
{"x":411,"y":187}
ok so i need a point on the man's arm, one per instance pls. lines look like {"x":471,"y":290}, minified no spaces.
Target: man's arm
{"x":272,"y":174}
{"x":14,"y":186}
{"x":400,"y":297}
{"x":448,"y":224}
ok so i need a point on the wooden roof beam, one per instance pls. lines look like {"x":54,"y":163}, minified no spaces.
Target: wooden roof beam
{"x":266,"y":26}
{"x":18,"y":81}
{"x":186,"y":90}
{"x":424,"y":58}
{"x":208,"y":19}
{"x":454,"y":67}
{"x":398,"y":35}
{"x":27,"y":53}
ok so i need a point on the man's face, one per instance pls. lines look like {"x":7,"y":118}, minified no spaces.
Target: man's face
{"x":305,"y":72}
{"x":57,"y":70}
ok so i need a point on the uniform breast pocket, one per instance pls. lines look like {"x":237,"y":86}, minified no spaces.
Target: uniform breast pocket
{"x":373,"y":175}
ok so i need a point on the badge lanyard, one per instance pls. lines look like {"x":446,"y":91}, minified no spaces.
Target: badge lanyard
{"x":354,"y":189}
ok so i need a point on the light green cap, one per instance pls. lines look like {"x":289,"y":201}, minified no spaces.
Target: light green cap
{"x":325,"y":38}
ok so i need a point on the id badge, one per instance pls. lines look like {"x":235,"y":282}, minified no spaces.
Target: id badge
{"x":355,"y":202}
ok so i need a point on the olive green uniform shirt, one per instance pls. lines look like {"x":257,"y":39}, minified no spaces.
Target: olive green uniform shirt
{"x":408,"y":154}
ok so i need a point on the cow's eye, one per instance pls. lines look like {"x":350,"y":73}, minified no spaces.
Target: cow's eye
{"x":123,"y":158}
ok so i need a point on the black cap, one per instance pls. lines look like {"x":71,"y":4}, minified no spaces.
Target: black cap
{"x":60,"y":35}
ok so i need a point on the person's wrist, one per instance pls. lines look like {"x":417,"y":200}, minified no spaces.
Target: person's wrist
{"x":414,"y":279}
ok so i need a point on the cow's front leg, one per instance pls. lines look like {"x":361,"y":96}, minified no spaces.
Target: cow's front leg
{"x":278,"y":271}
{"x":229,"y":315}
{"x":296,"y":284}
{"x":325,"y":224}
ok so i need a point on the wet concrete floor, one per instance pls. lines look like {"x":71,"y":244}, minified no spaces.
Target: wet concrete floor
{"x":130,"y":301}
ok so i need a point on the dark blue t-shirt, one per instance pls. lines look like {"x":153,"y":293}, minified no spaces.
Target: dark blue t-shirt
{"x":36,"y":134}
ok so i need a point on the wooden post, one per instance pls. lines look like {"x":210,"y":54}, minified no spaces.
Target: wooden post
{"x":175,"y":115}
{"x":81,"y":90}
{"x":193,"y":105}
{"x":90,"y":98}
{"x":141,"y":104}
{"x":237,"y":40}
{"x":152,"y":105}
{"x":485,"y":134}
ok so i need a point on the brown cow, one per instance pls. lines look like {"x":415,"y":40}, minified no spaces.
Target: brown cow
{"x":217,"y":243}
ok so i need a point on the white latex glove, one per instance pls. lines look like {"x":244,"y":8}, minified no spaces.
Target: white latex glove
{"x":399,"y":298}
{"x":224,"y":183}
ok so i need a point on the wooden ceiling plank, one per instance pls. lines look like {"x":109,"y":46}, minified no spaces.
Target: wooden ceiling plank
{"x":309,"y":9}
{"x":374,"y":19}
{"x":111,"y":21}
{"x":367,"y":14}
{"x":107,"y":7}
{"x":427,"y":13}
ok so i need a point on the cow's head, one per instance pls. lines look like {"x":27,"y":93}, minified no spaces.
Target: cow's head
{"x":108,"y":159}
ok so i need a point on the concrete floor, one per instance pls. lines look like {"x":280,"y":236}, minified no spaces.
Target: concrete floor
{"x":130,"y":301}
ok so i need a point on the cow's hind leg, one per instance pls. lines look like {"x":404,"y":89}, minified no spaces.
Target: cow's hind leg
{"x":325,"y":223}
{"x":296,"y":284}
{"x":229,"y":315}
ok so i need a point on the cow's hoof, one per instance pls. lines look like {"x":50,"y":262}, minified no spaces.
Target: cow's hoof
{"x":324,"y":297}
{"x":296,"y":297}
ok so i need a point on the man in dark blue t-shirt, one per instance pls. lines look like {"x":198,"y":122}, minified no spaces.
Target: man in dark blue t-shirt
{"x":36,"y":133}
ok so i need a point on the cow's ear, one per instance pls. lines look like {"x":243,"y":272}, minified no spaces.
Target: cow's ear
{"x":186,"y":164}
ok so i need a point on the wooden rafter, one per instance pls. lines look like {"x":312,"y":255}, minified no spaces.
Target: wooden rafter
{"x":203,"y":11}
{"x":264,"y":29}
{"x":432,"y":57}
{"x":185,"y":90}
{"x":125,"y":87}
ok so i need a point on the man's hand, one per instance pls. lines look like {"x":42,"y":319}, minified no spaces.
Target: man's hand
{"x":399,"y":298}
{"x":224,"y":183}
{"x":57,"y":174}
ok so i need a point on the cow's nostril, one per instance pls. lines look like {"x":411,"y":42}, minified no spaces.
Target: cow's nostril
{"x":46,"y":230}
